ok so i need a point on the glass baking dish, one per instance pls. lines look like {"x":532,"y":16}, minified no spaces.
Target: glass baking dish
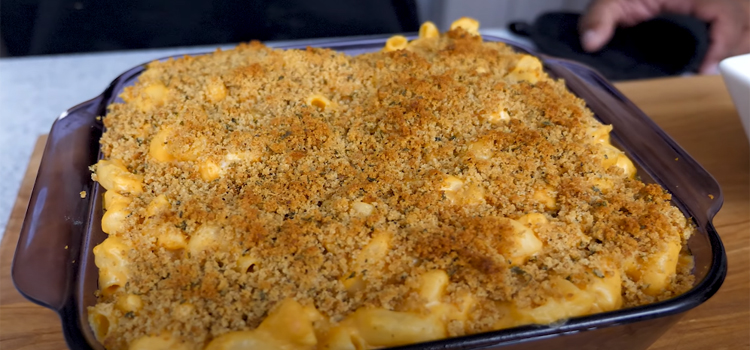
{"x":54,"y":264}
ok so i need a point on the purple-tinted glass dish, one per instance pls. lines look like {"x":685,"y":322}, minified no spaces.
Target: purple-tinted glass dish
{"x":54,"y":263}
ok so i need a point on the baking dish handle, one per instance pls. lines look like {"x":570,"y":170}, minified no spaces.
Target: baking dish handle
{"x":49,"y":243}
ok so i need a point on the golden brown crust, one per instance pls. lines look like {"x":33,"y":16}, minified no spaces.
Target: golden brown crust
{"x":399,"y":123}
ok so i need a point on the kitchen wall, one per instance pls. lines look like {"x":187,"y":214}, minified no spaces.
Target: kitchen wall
{"x":493,"y":13}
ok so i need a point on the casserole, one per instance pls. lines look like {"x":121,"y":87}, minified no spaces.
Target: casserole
{"x":83,"y":269}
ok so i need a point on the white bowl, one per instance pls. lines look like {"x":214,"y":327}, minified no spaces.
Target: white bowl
{"x":736,"y":72}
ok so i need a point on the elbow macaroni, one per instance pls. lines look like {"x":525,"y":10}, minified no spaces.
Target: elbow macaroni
{"x":129,"y":303}
{"x":367,"y":257}
{"x":158,"y":147}
{"x":153,"y":95}
{"x":318,"y":101}
{"x":171,"y":237}
{"x":158,"y":342}
{"x":380,"y":328}
{"x":460,"y":193}
{"x":396,"y":42}
{"x":524,"y":244}
{"x":113,"y":175}
{"x":481,"y":150}
{"x":118,"y":181}
{"x":289,"y":327}
{"x":612,"y":156}
{"x":370,"y":328}
{"x":363,"y":209}
{"x":428,"y":30}
{"x":209,"y":170}
{"x":157,"y":205}
{"x":656,"y":270}
{"x":216,"y":90}
{"x":111,"y":258}
{"x":498,"y":116}
{"x":566,"y":300}
{"x":113,"y":220}
{"x":204,"y":238}
{"x":102,"y":320}
{"x":470,"y":25}
{"x":607,"y":290}
{"x":546,"y":196}
{"x":527,"y":68}
{"x":162,"y":150}
{"x":247,"y":263}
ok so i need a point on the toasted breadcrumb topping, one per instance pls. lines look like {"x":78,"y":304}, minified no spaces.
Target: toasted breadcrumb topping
{"x":395,"y":125}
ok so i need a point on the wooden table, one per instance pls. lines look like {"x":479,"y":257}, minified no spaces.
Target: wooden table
{"x":697,"y":112}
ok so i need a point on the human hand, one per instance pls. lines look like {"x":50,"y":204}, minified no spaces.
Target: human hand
{"x":729,"y":20}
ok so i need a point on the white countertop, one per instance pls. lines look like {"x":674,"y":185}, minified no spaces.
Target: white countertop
{"x":35,"y":90}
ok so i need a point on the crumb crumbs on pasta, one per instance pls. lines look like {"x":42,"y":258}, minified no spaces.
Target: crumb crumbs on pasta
{"x":266,"y":175}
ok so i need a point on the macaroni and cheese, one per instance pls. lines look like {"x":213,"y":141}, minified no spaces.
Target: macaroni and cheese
{"x":305,"y":199}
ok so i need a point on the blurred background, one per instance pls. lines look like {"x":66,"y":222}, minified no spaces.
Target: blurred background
{"x":42,"y":27}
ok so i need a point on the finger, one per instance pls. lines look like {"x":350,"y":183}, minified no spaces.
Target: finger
{"x":724,"y":34}
{"x":603,"y":16}
{"x":597,"y":26}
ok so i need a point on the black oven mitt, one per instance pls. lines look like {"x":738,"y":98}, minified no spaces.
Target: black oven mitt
{"x":667,"y":45}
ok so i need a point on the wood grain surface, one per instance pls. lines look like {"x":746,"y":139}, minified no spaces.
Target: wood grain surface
{"x":697,"y":112}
